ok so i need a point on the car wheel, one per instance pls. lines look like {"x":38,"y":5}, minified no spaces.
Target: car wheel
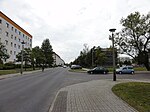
{"x":91,"y":72}
{"x":132,"y":72}
{"x":120,"y":72}
{"x":104,"y":72}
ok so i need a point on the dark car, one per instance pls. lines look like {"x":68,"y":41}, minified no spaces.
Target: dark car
{"x":98,"y":70}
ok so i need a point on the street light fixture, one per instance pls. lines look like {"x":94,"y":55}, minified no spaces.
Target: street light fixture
{"x":22,"y":57}
{"x":114,"y":68}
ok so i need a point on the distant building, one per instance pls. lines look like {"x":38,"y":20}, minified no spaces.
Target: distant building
{"x":57,"y":60}
{"x":123,"y":59}
{"x":109,"y":56}
{"x":12,"y":36}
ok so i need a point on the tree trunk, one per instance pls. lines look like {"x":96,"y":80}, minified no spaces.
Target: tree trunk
{"x":144,"y":59}
{"x":147,"y":66}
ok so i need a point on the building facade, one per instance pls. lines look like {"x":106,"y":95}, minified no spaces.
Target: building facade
{"x":57,"y":60}
{"x":12,"y":36}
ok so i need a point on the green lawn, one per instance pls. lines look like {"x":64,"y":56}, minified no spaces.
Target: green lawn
{"x":140,"y":69}
{"x":137,"y":94}
{"x":13,"y":71}
{"x":4,"y":72}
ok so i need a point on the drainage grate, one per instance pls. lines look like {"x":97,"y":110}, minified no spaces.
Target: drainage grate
{"x":60,"y":104}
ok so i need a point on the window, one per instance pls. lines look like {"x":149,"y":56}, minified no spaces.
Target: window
{"x":19,"y":40}
{"x":12,"y":28}
{"x":0,"y":21}
{"x":15,"y":30}
{"x":30,"y":40}
{"x":11,"y":44}
{"x":7,"y":25}
{"x":15,"y":38}
{"x":7,"y":33}
{"x":18,"y":46}
{"x":15,"y":45}
{"x":14,"y":52}
{"x":6,"y":42}
{"x":19,"y":33}
{"x":23,"y":35}
{"x":11,"y":36}
{"x":10,"y":52}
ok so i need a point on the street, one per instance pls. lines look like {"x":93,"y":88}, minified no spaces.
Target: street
{"x":35,"y":92}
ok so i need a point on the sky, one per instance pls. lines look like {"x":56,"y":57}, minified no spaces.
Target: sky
{"x":69,"y":24}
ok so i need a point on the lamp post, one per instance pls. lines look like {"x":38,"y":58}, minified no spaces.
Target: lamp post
{"x":93,"y":56}
{"x":114,"y":68}
{"x":22,"y":57}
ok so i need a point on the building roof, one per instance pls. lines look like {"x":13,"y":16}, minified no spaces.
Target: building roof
{"x":14,"y":24}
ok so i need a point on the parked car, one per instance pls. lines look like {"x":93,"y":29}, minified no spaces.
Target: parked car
{"x":76,"y":67}
{"x":98,"y":70}
{"x":64,"y":66}
{"x":125,"y":70}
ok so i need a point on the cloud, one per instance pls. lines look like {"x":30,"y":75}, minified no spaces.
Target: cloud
{"x":71,"y":23}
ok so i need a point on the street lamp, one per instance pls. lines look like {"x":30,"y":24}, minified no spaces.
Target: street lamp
{"x":22,"y":57}
{"x":93,"y":56}
{"x":114,"y":68}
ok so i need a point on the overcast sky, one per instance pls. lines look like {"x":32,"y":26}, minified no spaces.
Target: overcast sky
{"x":69,"y":24}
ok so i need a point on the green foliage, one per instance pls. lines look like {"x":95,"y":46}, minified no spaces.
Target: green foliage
{"x":37,"y":56}
{"x":3,"y":53}
{"x":26,"y":56}
{"x":134,"y":39}
{"x":5,"y":72}
{"x":7,"y":66}
{"x":94,"y":57}
{"x":47,"y":52}
{"x":134,"y":93}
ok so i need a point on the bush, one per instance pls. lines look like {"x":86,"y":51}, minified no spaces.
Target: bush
{"x":8,"y":66}
{"x":1,"y":66}
{"x":18,"y":66}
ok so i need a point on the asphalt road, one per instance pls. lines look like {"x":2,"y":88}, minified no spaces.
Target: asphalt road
{"x":35,"y":92}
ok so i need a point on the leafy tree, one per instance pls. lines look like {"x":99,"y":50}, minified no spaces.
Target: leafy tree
{"x":26,"y":56}
{"x":86,"y":55}
{"x":37,"y":56}
{"x":100,"y":57}
{"x":134,"y":39}
{"x":47,"y":52}
{"x":3,"y":54}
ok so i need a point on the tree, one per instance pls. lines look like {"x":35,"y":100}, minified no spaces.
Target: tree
{"x":47,"y":52}
{"x":26,"y":56}
{"x":134,"y":39}
{"x":37,"y":57}
{"x":3,"y":54}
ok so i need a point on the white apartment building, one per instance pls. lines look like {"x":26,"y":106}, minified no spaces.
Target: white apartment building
{"x":57,"y":60}
{"x":12,"y":36}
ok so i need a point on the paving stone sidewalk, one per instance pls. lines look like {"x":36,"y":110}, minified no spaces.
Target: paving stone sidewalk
{"x":93,"y":96}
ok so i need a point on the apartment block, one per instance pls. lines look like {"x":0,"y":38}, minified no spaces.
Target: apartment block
{"x":57,"y":60}
{"x":12,"y":36}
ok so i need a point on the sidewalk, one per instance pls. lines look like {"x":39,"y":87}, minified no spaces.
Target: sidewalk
{"x":93,"y":96}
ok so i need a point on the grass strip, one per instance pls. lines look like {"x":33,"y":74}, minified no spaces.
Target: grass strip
{"x":136,"y":94}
